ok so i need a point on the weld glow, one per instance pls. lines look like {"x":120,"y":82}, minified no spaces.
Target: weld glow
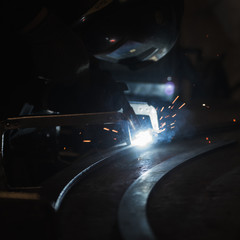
{"x":142,"y":139}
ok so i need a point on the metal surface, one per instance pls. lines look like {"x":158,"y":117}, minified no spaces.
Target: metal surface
{"x":132,"y":216}
{"x":56,"y":188}
{"x":143,"y":108}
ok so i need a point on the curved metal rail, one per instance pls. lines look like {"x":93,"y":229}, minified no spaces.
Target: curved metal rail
{"x":132,"y":216}
{"x":55,"y":189}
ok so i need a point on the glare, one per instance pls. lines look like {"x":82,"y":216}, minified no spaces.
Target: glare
{"x":142,"y":138}
{"x":169,"y":88}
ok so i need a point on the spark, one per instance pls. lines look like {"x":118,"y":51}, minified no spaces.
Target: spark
{"x":83,"y":19}
{"x":114,"y":139}
{"x":234,"y":120}
{"x":182,"y":105}
{"x":112,"y":40}
{"x":175,"y":100}
{"x":161,"y":118}
{"x":87,"y":141}
{"x":80,"y":133}
{"x":162,"y":109}
{"x":167,"y":116}
{"x":106,"y":129}
{"x":209,"y":141}
{"x":204,"y":105}
{"x":172,"y":127}
{"x":169,"y":106}
{"x":64,"y":148}
{"x":172,"y":123}
{"x":172,"y":107}
{"x":142,"y":139}
{"x":162,"y":130}
{"x":163,"y":124}
{"x":206,"y":138}
{"x":174,"y":115}
{"x":114,"y":131}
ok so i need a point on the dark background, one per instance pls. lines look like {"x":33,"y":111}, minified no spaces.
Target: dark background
{"x":204,"y":61}
{"x":214,"y":27}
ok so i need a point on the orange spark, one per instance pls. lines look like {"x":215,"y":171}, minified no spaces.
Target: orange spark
{"x":172,"y":107}
{"x":87,"y":141}
{"x":234,"y":120}
{"x":167,"y":116}
{"x":163,"y":124}
{"x":161,"y":118}
{"x":175,"y":100}
{"x":174,"y":115}
{"x":209,"y":141}
{"x":207,"y":138}
{"x":162,"y":109}
{"x":172,"y":127}
{"x":172,"y":123}
{"x":115,"y":131}
{"x":160,"y":131}
{"x":107,"y":129}
{"x":182,"y":105}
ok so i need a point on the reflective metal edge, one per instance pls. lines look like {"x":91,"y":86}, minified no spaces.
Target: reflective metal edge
{"x":132,"y":215}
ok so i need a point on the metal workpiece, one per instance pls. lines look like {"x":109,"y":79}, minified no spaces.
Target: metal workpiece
{"x":132,"y":215}
{"x":56,"y":188}
{"x":143,"y":108}
{"x":80,"y":120}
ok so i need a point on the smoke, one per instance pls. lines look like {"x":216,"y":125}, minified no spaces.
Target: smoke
{"x":181,"y":127}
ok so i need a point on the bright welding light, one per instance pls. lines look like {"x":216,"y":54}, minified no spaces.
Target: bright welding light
{"x":142,"y":139}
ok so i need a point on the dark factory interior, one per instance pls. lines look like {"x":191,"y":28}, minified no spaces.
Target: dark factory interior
{"x":120,"y":119}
